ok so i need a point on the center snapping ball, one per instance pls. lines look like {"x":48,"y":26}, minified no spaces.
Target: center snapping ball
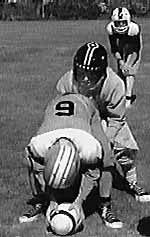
{"x":63,"y":221}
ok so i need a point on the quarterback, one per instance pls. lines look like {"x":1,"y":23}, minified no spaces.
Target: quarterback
{"x":92,"y":77}
{"x":125,"y":42}
{"x":70,"y":150}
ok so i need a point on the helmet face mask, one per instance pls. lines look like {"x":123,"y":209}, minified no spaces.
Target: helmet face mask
{"x":121,"y":19}
{"x":87,"y":82}
{"x":121,"y":24}
{"x":90,"y":64}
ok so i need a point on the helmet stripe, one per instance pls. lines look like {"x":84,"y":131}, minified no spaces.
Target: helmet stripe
{"x":62,"y":165}
{"x":69,"y":164}
{"x":120,"y":12}
{"x":57,"y":164}
{"x":89,"y":53}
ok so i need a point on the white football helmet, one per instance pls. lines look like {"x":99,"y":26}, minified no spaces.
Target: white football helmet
{"x":63,"y":221}
{"x":121,"y":19}
{"x":62,"y":164}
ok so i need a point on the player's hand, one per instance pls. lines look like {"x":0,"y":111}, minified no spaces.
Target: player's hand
{"x":121,"y":63}
{"x":77,"y":206}
{"x":128,"y":70}
{"x":125,"y":68}
{"x":53,"y":207}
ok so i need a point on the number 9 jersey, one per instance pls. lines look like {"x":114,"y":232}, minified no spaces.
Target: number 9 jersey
{"x":69,"y":111}
{"x":76,"y":112}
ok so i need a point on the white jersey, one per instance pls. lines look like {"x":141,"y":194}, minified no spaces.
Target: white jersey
{"x":89,"y":148}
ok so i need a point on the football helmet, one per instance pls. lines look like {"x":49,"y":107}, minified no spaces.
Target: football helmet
{"x":89,"y":67}
{"x":62,"y":164}
{"x":63,"y":221}
{"x":121,"y":19}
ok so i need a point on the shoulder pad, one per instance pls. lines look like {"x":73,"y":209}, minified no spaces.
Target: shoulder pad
{"x":134,"y":29}
{"x":109,"y":28}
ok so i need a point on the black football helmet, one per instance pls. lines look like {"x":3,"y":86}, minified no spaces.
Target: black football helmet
{"x":89,"y":67}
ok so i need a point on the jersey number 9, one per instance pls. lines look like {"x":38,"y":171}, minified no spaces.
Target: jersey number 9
{"x":64,"y":108}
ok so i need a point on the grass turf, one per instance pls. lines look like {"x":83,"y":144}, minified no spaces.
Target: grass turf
{"x":33,"y":55}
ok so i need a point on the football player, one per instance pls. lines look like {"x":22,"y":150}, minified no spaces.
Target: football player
{"x":92,"y":77}
{"x":125,"y":41}
{"x":70,"y":143}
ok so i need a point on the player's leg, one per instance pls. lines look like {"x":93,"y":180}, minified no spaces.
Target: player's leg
{"x":126,"y":149}
{"x":38,"y":203}
{"x":126,"y":159}
{"x":37,"y":185}
{"x":105,"y":210}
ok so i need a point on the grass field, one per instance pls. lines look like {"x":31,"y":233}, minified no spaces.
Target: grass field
{"x":33,"y":55}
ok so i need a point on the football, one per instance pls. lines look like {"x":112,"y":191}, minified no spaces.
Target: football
{"x":64,"y":221}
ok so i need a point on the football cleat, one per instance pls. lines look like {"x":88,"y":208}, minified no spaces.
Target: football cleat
{"x":109,"y":218}
{"x":32,"y":214}
{"x":139,"y":193}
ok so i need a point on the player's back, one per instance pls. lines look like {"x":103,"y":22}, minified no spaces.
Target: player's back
{"x":68,"y":111}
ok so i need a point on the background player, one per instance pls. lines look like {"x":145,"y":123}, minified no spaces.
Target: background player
{"x":92,"y":77}
{"x":125,"y":41}
{"x":71,"y":118}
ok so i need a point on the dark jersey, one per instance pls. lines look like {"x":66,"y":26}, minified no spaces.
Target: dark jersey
{"x":126,"y":43}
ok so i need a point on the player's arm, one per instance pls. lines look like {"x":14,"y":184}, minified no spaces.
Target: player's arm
{"x":135,"y":45}
{"x":117,"y":56}
{"x":133,"y":57}
{"x":88,"y":181}
{"x":99,"y":134}
{"x":112,"y":40}
{"x":33,"y":160}
{"x":65,"y":83}
{"x":133,"y":52}
{"x":114,"y":50}
{"x":116,"y":110}
{"x":53,"y":205}
{"x":113,"y":47}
